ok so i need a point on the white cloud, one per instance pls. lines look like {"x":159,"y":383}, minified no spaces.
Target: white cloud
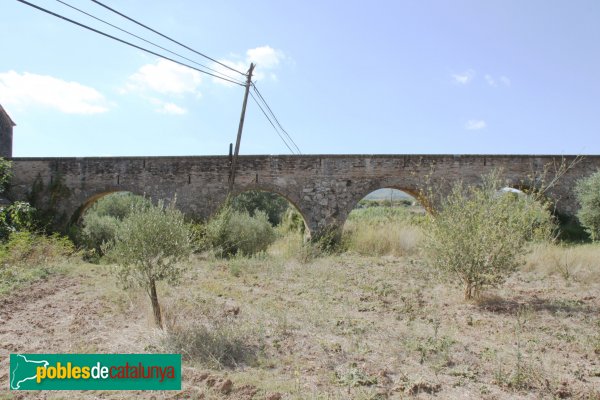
{"x":464,"y":78}
{"x":165,"y":107}
{"x":265,"y":56}
{"x":503,"y":80}
{"x":266,"y":59}
{"x":68,"y":97}
{"x":475,"y":124}
{"x":491,"y":81}
{"x":165,"y":77}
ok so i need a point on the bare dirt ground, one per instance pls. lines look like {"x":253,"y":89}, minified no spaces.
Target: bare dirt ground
{"x":343,"y":327}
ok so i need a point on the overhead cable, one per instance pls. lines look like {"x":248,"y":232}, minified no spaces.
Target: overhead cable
{"x":126,"y":42}
{"x":275,"y":117}
{"x":272,"y":124}
{"x":145,"y":40}
{"x":166,"y":37}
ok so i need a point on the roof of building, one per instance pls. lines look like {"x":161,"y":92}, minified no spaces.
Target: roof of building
{"x":4,"y":115}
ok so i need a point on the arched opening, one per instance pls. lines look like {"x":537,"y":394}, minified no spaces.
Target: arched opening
{"x":385,"y":222}
{"x":569,"y":227}
{"x":257,"y":220}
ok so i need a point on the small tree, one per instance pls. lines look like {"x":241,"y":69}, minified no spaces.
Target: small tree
{"x":149,"y":246}
{"x":479,"y":233}
{"x":587,"y":191}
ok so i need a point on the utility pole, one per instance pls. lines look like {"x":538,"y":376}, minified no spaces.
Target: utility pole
{"x":240,"y":128}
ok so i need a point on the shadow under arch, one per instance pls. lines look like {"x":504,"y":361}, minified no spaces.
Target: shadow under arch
{"x":267,"y":188}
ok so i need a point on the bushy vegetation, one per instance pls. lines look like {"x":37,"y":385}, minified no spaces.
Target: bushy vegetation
{"x":28,"y":256}
{"x":101,"y":221}
{"x":232,"y":232}
{"x":292,"y":221}
{"x":588,"y":195}
{"x":272,"y":204}
{"x":479,"y":234}
{"x":16,"y":217}
{"x":149,"y":246}
{"x":26,"y":253}
{"x":5,"y":174}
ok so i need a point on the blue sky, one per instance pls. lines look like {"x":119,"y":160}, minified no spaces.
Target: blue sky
{"x":454,"y":77}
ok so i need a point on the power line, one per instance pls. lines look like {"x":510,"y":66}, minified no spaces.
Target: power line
{"x":228,"y":78}
{"x":125,"y":42}
{"x":275,"y":118}
{"x":166,"y":37}
{"x":145,"y":40}
{"x":272,"y":124}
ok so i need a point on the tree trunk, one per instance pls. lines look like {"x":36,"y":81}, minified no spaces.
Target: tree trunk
{"x":155,"y":305}
{"x":468,"y":290}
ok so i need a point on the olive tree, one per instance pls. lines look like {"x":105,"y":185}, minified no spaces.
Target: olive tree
{"x":479,"y":234}
{"x":587,"y":191}
{"x":150,"y":245}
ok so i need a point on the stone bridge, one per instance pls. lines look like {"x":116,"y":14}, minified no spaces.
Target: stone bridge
{"x":324,"y":188}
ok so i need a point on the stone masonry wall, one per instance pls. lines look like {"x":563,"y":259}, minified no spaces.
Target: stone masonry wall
{"x":324,"y":188}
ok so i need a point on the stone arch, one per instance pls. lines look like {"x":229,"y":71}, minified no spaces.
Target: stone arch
{"x":270,"y":188}
{"x":371,"y":186}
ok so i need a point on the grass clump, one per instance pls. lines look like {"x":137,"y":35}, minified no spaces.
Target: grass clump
{"x":218,"y":346}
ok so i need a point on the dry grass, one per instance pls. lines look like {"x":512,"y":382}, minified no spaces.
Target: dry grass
{"x":354,"y":327}
{"x":395,"y":240}
{"x":575,"y":262}
{"x":360,"y":327}
{"x":380,"y":231}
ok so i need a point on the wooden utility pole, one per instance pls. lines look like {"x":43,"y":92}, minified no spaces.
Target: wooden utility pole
{"x":240,"y":128}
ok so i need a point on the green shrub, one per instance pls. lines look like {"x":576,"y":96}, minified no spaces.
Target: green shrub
{"x":18,"y":216}
{"x":272,"y":204}
{"x":149,"y":246}
{"x":328,"y":240}
{"x":5,"y":174}
{"x":479,"y":235}
{"x":98,"y":230}
{"x":118,"y":205}
{"x":233,"y":232}
{"x":587,"y":191}
{"x":100,"y":222}
{"x":25,"y":248}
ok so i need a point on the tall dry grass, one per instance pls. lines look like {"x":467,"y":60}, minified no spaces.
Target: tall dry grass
{"x":579,"y":262}
{"x":379,"y":231}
